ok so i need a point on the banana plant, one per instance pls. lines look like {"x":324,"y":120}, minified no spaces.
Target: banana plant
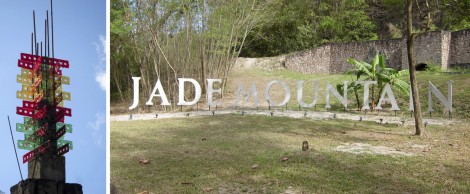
{"x":378,"y":71}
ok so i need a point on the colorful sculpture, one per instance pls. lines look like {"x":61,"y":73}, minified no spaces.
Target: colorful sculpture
{"x":43,"y":106}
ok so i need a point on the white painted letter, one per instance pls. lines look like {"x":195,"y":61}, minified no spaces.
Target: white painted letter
{"x":411,"y":108}
{"x":391,"y":97}
{"x":241,"y":92}
{"x":159,"y":87}
{"x":299,"y":94}
{"x":197,"y":95}
{"x":136,"y":92}
{"x":210,"y":91}
{"x":365,"y":105}
{"x":446,"y":102}
{"x":286,"y":90}
{"x":343,"y":100}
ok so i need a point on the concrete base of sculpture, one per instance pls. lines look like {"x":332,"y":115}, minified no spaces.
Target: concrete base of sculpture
{"x":40,"y":186}
{"x":48,"y":166}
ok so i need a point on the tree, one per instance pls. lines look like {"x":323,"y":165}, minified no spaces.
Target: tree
{"x":411,"y":67}
{"x":303,"y":24}
{"x":378,"y":71}
{"x":166,"y":40}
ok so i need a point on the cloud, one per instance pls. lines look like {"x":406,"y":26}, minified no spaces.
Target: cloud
{"x":100,"y":75}
{"x":96,"y":133}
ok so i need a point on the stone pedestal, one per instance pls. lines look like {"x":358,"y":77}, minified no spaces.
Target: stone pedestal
{"x":43,"y":186}
{"x":48,"y":166}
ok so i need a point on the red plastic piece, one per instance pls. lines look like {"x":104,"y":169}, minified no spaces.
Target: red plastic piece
{"x":62,"y":150}
{"x":67,"y":111}
{"x":42,"y":131}
{"x":59,"y":117}
{"x":60,"y":132}
{"x":40,"y":114}
{"x":25,"y":111}
{"x":28,"y":104}
{"x":50,"y":61}
{"x":32,"y":154}
{"x":25,"y":64}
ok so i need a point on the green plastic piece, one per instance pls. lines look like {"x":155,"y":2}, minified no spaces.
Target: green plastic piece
{"x":32,"y":138}
{"x":26,"y":145}
{"x":68,"y":127}
{"x":61,"y":143}
{"x":26,"y":129}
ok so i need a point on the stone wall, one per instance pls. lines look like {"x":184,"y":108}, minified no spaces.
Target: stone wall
{"x":302,"y":62}
{"x":460,"y":48}
{"x":429,"y":48}
{"x":433,"y":48}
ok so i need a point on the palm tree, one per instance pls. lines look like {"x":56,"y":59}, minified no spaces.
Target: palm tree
{"x":378,"y":71}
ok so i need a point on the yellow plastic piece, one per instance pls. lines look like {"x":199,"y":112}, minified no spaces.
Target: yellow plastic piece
{"x":24,"y":95}
{"x":62,"y":79}
{"x":24,"y":80}
{"x":29,"y":89}
{"x":66,"y":96}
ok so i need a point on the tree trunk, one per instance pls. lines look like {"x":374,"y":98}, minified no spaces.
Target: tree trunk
{"x":411,"y":67}
{"x":357,"y":98}
{"x":202,"y":49}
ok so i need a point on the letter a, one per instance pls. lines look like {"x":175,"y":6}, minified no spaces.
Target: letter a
{"x":159,"y":87}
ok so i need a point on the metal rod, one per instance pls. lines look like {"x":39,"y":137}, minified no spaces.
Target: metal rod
{"x":48,"y":38}
{"x":34,"y":23}
{"x":32,"y":47}
{"x":13,"y":141}
{"x":52,"y":27}
{"x":45,"y":37}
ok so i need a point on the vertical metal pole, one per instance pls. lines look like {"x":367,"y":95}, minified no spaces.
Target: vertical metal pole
{"x":48,"y":37}
{"x":13,"y":141}
{"x":52,"y":28}
{"x":32,"y":44}
{"x":45,"y":37}
{"x":34,"y":23}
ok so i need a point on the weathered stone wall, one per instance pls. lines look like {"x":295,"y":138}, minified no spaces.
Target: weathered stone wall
{"x":302,"y":61}
{"x":460,"y":48}
{"x":434,"y":48}
{"x":428,"y":49}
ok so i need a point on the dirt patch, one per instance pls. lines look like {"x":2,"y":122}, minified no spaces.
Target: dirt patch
{"x":363,"y":148}
{"x":264,"y":63}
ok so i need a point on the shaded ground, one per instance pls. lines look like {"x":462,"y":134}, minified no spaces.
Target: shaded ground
{"x":245,"y":154}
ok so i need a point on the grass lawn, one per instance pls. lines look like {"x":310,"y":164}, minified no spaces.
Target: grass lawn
{"x":217,"y":155}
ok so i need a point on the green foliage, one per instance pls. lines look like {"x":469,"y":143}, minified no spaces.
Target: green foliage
{"x":378,"y":71}
{"x":457,"y":14}
{"x":300,"y":25}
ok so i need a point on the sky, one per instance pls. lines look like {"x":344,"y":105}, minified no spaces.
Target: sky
{"x":80,"y":37}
